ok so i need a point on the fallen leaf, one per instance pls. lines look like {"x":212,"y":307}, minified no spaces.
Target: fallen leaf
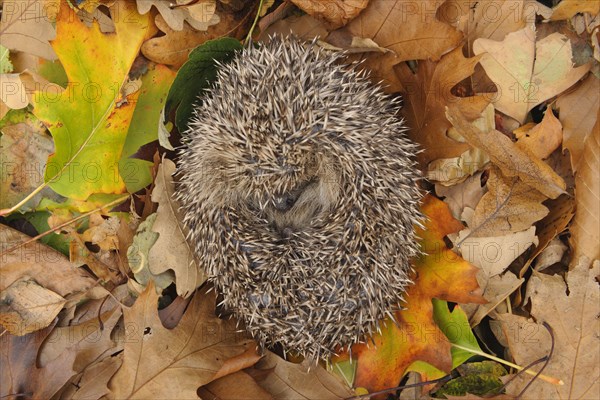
{"x":51,"y":269}
{"x":14,"y":93}
{"x":552,"y":254}
{"x":441,"y":274}
{"x":575,"y":360}
{"x":25,"y":149}
{"x":144,"y":127}
{"x":536,"y":72}
{"x":172,"y":250}
{"x":568,"y":8}
{"x":303,"y":26}
{"x":508,"y":206}
{"x":543,"y":138}
{"x":92,"y":383}
{"x":494,"y":254}
{"x":585,"y":229}
{"x":286,"y":380}
{"x":511,"y":160}
{"x":200,"y":15}
{"x":174,"y":47}
{"x":426,"y":93}
{"x":87,"y":123}
{"x":462,"y":195}
{"x":26,"y":307}
{"x":174,"y":363}
{"x":336,"y":13}
{"x":422,"y":36}
{"x":237,"y":386}
{"x":578,"y":114}
{"x":27,"y":26}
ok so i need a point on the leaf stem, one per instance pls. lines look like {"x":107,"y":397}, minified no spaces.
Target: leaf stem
{"x":249,"y":37}
{"x":549,"y":379}
{"x":6,"y":211}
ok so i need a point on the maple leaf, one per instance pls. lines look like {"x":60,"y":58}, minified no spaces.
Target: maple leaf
{"x":427,"y":93}
{"x":87,"y":120}
{"x":440,"y":274}
{"x":164,"y":363}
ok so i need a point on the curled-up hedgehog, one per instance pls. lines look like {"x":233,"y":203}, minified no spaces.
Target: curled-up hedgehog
{"x":299,"y":189}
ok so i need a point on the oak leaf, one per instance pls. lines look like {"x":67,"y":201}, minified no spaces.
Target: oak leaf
{"x":571,"y":307}
{"x":336,"y":13}
{"x":440,"y":274}
{"x":528,"y":72}
{"x":199,"y":14}
{"x":89,"y":120}
{"x":542,"y":139}
{"x":511,"y":159}
{"x":164,"y":363}
{"x":426,"y":93}
{"x":578,"y":114}
{"x":408,"y":28}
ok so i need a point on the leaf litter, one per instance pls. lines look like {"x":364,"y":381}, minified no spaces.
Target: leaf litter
{"x":505,"y":110}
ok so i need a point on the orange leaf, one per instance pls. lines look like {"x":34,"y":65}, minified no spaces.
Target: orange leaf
{"x":439,"y":273}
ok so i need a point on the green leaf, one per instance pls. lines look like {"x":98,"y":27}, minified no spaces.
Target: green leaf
{"x":455,"y":326}
{"x":89,"y":120}
{"x":196,"y":75}
{"x":144,"y":127}
{"x":39,"y":220}
{"x":5,"y":64}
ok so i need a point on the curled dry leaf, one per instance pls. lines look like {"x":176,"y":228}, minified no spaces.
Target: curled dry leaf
{"x":26,"y":307}
{"x":578,"y":114}
{"x":462,"y":195}
{"x":335,"y":13}
{"x":512,"y":160}
{"x":585,"y":230}
{"x":171,"y":250}
{"x":528,"y":72}
{"x":543,"y":138}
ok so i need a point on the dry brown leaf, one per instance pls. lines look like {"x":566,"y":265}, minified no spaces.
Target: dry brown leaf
{"x":490,"y":20}
{"x":237,"y":386}
{"x":25,"y":151}
{"x":285,"y":380}
{"x":508,"y":206}
{"x":568,"y":8}
{"x":425,"y":96}
{"x":200,"y":15}
{"x":561,"y":212}
{"x":494,"y":254}
{"x":87,"y":341}
{"x":465,"y":194}
{"x":495,"y":290}
{"x":552,"y":254}
{"x":26,"y":307}
{"x":303,"y":26}
{"x":511,"y":160}
{"x":174,"y":46}
{"x":92,"y":383}
{"x":571,"y":310}
{"x":585,"y":230}
{"x":50,"y":268}
{"x":164,"y":363}
{"x":171,"y":250}
{"x":27,"y":26}
{"x":543,"y":138}
{"x":335,"y":13}
{"x":538,"y":71}
{"x":18,"y":358}
{"x":578,"y":114}
{"x":407,"y":27}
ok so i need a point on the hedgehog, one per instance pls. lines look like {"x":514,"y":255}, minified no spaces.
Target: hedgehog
{"x":300,"y":192}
